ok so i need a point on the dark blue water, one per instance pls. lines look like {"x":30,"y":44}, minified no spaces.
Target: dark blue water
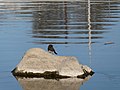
{"x":88,"y":30}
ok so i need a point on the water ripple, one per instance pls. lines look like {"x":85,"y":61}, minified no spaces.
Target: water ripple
{"x":57,"y":20}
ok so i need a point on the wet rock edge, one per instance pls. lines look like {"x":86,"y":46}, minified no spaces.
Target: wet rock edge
{"x":48,"y":74}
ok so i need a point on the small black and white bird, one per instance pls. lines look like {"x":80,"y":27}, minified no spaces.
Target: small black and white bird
{"x":51,"y":49}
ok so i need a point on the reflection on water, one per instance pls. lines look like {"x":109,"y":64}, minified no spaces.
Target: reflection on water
{"x":28,"y":23}
{"x":67,"y":22}
{"x":50,"y":84}
{"x":62,"y":22}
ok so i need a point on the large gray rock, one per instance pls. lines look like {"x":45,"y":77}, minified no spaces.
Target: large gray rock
{"x":39,"y":63}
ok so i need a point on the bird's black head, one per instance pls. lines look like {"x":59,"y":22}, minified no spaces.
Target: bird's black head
{"x":50,"y":45}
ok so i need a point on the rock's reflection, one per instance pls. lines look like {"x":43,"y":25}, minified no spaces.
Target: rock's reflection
{"x":51,"y":84}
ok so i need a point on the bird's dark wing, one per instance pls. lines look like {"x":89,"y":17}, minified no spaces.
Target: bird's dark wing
{"x":55,"y":52}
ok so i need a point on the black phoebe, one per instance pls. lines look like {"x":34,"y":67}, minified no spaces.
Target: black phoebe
{"x":51,"y":49}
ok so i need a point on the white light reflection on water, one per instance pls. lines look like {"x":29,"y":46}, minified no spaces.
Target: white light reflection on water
{"x":77,"y":28}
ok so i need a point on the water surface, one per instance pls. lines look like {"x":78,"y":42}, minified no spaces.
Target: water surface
{"x":86,"y":29}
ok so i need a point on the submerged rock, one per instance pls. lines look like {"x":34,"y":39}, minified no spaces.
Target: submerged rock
{"x":39,"y":63}
{"x":107,"y":43}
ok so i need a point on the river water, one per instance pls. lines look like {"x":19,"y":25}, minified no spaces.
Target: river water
{"x":86,"y":29}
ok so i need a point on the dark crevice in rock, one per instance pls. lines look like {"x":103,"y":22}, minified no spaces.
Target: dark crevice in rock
{"x":86,"y":74}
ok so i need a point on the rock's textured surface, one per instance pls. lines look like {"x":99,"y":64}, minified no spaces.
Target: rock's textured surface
{"x":39,"y":63}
